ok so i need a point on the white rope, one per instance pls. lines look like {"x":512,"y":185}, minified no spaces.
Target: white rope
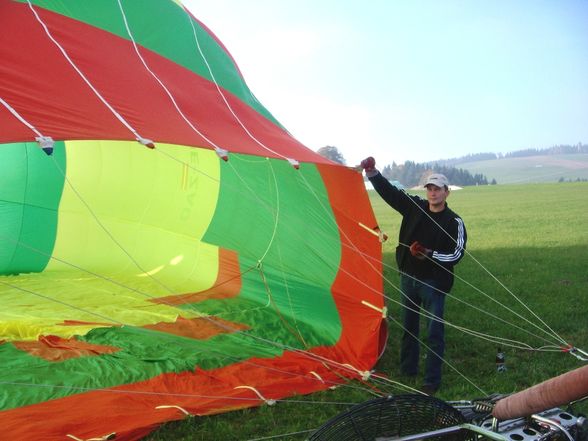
{"x":354,"y":248}
{"x":163,"y":86}
{"x":444,"y":360}
{"x":171,"y":337}
{"x":277,"y":213}
{"x":449,"y":324}
{"x":221,"y":325}
{"x":52,"y":299}
{"x":83,"y":77}
{"x":288,"y":295}
{"x":421,"y":312}
{"x":268,"y":401}
{"x":107,"y":231}
{"x":300,"y":351}
{"x":383,"y":311}
{"x":307,"y":354}
{"x":402,"y":386}
{"x":283,"y":435}
{"x":130,"y":128}
{"x":424,"y":313}
{"x":456,"y":298}
{"x":173,"y":406}
{"x":554,"y":334}
{"x":107,"y":437}
{"x":183,"y":116}
{"x":222,"y":95}
{"x":21,"y":118}
{"x":165,"y":394}
{"x":490,"y":298}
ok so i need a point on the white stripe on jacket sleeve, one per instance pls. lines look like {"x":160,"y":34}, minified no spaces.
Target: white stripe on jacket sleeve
{"x":457,"y":253}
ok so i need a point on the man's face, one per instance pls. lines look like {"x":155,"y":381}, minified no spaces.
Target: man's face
{"x":436,"y":195}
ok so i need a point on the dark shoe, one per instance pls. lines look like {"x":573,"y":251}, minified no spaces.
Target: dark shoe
{"x":430,"y":389}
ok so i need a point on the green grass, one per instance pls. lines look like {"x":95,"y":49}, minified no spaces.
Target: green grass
{"x":533,"y":239}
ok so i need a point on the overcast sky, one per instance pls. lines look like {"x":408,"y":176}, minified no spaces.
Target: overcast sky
{"x":413,"y":79}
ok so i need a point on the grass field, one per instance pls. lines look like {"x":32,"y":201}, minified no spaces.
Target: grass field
{"x":525,"y":240}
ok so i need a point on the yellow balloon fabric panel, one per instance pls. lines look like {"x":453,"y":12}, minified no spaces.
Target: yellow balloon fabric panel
{"x":130,"y":224}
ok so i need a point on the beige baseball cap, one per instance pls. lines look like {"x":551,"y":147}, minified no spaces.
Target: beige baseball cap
{"x":437,"y":179}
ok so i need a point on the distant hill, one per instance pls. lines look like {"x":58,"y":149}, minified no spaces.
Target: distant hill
{"x":531,"y":169}
{"x":559,"y":163}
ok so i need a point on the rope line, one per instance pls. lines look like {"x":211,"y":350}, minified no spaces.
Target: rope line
{"x":216,"y":323}
{"x":159,"y":81}
{"x":276,"y":213}
{"x":171,"y":338}
{"x":221,"y":325}
{"x":487,"y":296}
{"x":299,"y":350}
{"x":283,"y":435}
{"x":117,"y":115}
{"x":327,"y":359}
{"x":70,"y":61}
{"x":107,"y":231}
{"x":418,"y":309}
{"x":19,"y":117}
{"x":425,"y":314}
{"x":222,"y":95}
{"x":484,"y":267}
{"x":457,"y":371}
{"x":121,"y":119}
{"x":165,"y":394}
{"x":288,"y":295}
{"x":295,"y":332}
{"x":69,"y":305}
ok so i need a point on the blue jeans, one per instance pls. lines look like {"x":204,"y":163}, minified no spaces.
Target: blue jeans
{"x":416,"y":295}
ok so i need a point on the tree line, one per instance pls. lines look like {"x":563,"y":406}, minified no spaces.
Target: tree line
{"x":410,"y":173}
{"x":562,"y":149}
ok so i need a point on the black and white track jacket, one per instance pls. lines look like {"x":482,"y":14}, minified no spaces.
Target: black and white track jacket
{"x":444,"y":233}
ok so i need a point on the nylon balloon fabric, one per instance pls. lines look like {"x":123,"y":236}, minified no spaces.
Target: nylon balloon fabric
{"x":166,"y":246}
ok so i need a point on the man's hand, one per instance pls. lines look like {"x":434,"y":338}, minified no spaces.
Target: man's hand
{"x":368,"y":164}
{"x":419,"y":251}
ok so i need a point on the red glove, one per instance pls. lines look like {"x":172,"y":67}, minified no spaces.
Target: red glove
{"x":368,"y":164}
{"x":419,"y":251}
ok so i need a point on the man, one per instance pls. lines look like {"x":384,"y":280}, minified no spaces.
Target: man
{"x":432,"y":240}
